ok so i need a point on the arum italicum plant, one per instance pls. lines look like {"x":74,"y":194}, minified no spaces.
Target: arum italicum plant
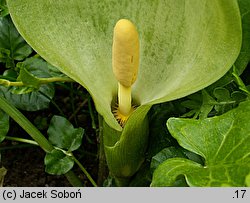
{"x":179,"y":47}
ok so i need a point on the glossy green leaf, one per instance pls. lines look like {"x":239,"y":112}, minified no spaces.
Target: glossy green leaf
{"x":184,"y":45}
{"x":35,"y":100}
{"x":163,"y":155}
{"x":11,"y":40}
{"x":173,"y":152}
{"x":222,"y":141}
{"x":58,"y":163}
{"x":4,"y":125}
{"x":63,"y":134}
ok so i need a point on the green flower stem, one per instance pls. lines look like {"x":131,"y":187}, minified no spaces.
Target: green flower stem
{"x":91,"y":114}
{"x":102,"y":167}
{"x":8,"y":83}
{"x":25,"y":124}
{"x":34,"y":133}
{"x":55,"y":79}
{"x":18,"y":139}
{"x":84,"y":170}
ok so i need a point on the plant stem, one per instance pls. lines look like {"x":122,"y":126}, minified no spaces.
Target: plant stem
{"x":72,"y":103}
{"x":91,"y":114}
{"x":25,"y":124}
{"x":8,"y":83}
{"x":55,"y":79}
{"x":18,"y":139}
{"x":84,"y":171}
{"x":102,"y":168}
{"x":73,"y":179}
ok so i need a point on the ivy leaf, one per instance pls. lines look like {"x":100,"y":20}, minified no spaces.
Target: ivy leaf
{"x":223,"y":142}
{"x":4,"y":125}
{"x":58,"y":163}
{"x":11,"y":40}
{"x":63,"y":135}
{"x":172,"y":152}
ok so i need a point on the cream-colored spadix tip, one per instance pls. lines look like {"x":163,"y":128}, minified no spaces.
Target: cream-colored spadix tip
{"x":125,"y":52}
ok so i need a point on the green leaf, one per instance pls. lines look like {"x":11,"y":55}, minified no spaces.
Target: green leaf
{"x":10,"y":74}
{"x":11,"y":40}
{"x":4,"y":125}
{"x":172,"y":152}
{"x":29,"y":79}
{"x":5,"y":58}
{"x":63,"y":135}
{"x":200,"y":103}
{"x":222,"y":141}
{"x":208,"y":103}
{"x":222,"y":94}
{"x":238,"y":96}
{"x":184,"y":45}
{"x":163,"y":155}
{"x":35,"y":100}
{"x":58,"y":163}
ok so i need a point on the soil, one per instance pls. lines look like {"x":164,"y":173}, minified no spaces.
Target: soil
{"x":25,"y":169}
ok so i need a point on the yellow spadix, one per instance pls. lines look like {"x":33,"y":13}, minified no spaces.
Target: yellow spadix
{"x":125,"y":62}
